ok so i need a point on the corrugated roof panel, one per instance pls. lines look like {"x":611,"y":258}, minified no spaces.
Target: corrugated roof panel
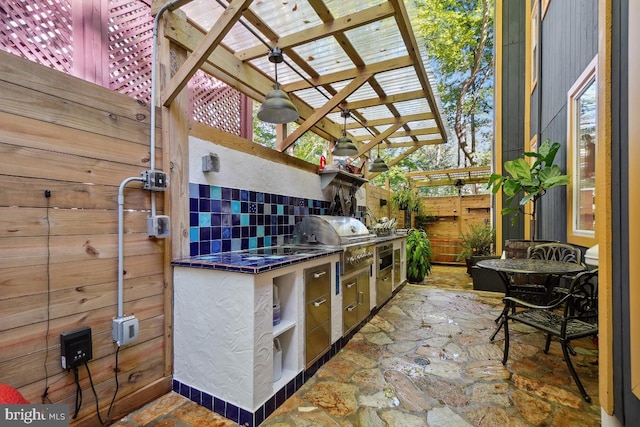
{"x":407,"y":108}
{"x":373,"y":44}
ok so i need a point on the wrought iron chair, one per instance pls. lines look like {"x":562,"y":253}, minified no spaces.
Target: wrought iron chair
{"x":536,"y":288}
{"x":540,"y":289}
{"x":572,"y":316}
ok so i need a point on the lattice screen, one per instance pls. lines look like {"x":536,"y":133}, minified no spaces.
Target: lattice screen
{"x":215,"y":104}
{"x":40,"y":31}
{"x":130,"y":47}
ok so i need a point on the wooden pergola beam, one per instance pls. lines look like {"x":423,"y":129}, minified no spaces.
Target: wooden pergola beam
{"x":411,"y":144}
{"x":404,"y":134}
{"x":224,"y":66}
{"x":340,"y":76}
{"x":206,"y":46}
{"x":323,"y":111}
{"x":326,"y":29}
{"x":402,"y":18}
{"x":389,"y":99}
{"x":391,"y":120}
{"x":375,"y":141}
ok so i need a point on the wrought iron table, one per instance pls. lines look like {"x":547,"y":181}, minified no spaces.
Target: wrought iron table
{"x":505,"y":267}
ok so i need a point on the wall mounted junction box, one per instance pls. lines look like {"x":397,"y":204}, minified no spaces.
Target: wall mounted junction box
{"x":125,"y":330}
{"x":75,"y":347}
{"x":155,"y":180}
{"x":158,"y":226}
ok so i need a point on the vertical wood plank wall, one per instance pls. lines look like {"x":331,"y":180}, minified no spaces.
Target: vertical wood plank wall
{"x":452,"y":216}
{"x":58,"y":256}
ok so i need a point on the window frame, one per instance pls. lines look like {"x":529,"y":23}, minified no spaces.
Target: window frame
{"x":545,"y":6}
{"x":589,"y":76}
{"x":534,"y":28}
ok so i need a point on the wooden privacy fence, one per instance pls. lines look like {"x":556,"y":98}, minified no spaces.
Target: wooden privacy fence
{"x":449,"y":217}
{"x":58,"y":255}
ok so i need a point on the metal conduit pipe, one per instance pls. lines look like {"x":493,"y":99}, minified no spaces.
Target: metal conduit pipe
{"x":152,"y":149}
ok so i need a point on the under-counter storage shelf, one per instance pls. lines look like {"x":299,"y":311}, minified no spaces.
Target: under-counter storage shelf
{"x":283,"y":327}
{"x":285,"y":331}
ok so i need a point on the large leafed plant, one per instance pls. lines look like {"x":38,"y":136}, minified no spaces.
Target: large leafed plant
{"x":531,"y":176}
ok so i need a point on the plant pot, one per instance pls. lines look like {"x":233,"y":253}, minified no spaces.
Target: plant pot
{"x":483,"y":279}
{"x":415,"y":280}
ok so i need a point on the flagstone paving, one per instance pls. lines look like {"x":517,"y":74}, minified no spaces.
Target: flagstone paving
{"x":425,"y":359}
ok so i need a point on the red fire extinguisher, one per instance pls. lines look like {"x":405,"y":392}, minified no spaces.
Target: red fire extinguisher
{"x":323,"y":162}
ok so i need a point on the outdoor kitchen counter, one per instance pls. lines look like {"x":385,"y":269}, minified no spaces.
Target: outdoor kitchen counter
{"x":259,"y":260}
{"x":224,"y":327}
{"x":384,"y":239}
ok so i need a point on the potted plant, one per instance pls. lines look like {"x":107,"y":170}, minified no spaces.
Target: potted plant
{"x":532,"y":176}
{"x":419,"y":255}
{"x":477,"y":242}
{"x":404,"y":199}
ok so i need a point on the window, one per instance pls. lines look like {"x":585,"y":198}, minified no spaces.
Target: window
{"x":534,"y":45}
{"x":582,"y":139}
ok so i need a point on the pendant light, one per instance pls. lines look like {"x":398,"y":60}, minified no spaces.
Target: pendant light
{"x":378,"y":164}
{"x":344,"y":145}
{"x":277,"y":107}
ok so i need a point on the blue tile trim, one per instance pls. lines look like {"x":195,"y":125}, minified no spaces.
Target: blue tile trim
{"x":254,"y":419}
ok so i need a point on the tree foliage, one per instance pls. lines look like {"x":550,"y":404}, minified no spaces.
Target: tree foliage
{"x":459,"y":37}
{"x":308,"y":147}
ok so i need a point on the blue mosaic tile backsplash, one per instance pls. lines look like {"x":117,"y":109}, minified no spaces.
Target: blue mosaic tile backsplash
{"x":223,"y":219}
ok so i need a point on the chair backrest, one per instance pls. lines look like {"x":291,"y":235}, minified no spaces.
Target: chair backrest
{"x":555,"y":252}
{"x":583,"y":300}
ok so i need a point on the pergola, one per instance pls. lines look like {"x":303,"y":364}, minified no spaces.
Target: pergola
{"x":359,"y":55}
{"x":434,"y":178}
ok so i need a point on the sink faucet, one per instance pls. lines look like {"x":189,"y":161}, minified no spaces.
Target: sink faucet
{"x":372,"y":218}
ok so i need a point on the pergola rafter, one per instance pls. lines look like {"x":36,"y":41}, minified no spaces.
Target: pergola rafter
{"x":365,"y":58}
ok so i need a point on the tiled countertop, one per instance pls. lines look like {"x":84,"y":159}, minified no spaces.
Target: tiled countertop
{"x":255,"y":261}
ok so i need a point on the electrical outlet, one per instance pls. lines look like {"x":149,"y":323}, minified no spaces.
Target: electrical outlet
{"x":125,"y":330}
{"x":75,"y":347}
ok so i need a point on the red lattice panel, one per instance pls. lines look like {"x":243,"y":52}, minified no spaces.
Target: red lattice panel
{"x":40,"y":31}
{"x":215,"y":104}
{"x":130,"y":48}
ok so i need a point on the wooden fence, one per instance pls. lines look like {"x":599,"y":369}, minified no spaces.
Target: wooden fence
{"x":449,"y":217}
{"x":58,"y":254}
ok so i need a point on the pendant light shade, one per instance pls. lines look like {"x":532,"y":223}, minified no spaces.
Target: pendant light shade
{"x":277,"y":107}
{"x":378,"y":164}
{"x":344,"y":145}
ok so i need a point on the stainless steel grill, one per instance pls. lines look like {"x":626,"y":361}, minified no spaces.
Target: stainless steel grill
{"x":347,"y":232}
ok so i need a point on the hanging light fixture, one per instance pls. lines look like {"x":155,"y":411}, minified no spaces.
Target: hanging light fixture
{"x":378,"y":164}
{"x":344,"y":145}
{"x":277,"y":107}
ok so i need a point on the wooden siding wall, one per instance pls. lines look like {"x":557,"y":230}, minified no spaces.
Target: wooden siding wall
{"x":513,"y":94}
{"x":569,"y":33}
{"x":374,"y":197}
{"x":58,"y":256}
